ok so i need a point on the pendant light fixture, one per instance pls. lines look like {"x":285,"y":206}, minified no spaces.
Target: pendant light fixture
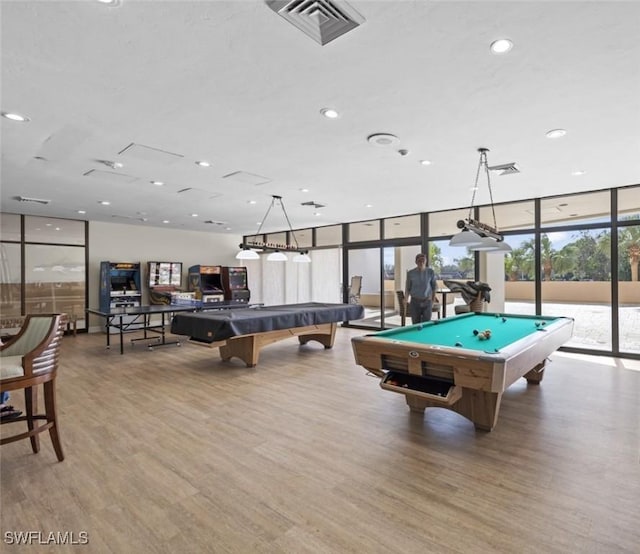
{"x":474,"y":234}
{"x":277,"y":251}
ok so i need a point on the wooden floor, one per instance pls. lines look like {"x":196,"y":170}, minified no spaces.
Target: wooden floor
{"x":172,"y":450}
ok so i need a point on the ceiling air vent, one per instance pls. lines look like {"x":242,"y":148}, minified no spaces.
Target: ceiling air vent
{"x":322,"y":20}
{"x":314,"y":204}
{"x":505,"y":169}
{"x":212,"y":222}
{"x":36,"y":200}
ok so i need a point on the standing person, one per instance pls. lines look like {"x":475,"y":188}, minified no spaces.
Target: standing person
{"x":420,"y":291}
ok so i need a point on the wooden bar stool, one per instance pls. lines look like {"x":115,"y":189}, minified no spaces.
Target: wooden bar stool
{"x":30,"y":359}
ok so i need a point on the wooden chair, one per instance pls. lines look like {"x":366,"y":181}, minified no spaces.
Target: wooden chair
{"x":27,"y":360}
{"x":354,"y":289}
{"x":402,"y":307}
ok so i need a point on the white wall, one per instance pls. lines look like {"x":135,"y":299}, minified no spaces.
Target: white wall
{"x":116,"y":242}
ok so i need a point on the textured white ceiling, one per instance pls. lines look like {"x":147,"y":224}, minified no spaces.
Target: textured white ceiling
{"x":236,"y":85}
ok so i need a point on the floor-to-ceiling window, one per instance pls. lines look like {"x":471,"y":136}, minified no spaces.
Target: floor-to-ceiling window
{"x":628,"y":202}
{"x":516,"y":221}
{"x":449,"y":262}
{"x":11,"y":273}
{"x":575,"y":265}
{"x":366,"y":264}
{"x":571,"y":255}
{"x":45,"y":259}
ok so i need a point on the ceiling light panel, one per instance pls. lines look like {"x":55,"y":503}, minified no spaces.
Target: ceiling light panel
{"x":110,"y":176}
{"x":150,"y":154}
{"x":192,"y":193}
{"x":244,"y":178}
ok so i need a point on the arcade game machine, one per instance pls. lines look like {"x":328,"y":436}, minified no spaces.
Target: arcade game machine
{"x":164,"y":278}
{"x":235,"y":285}
{"x":119,"y":286}
{"x":206,"y":282}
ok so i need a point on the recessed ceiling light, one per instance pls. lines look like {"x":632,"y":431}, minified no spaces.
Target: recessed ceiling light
{"x":104,"y":202}
{"x":501,"y":46}
{"x":82,"y":212}
{"x":330,"y":113}
{"x":425,"y":162}
{"x":165,"y":221}
{"x":368,"y":205}
{"x":578,"y":172}
{"x":194,"y":215}
{"x":556,"y":133}
{"x":157,"y":183}
{"x":203,"y":164}
{"x":227,"y":228}
{"x":251,"y":201}
{"x":317,"y":214}
{"x":303,"y":190}
{"x":111,"y":3}
{"x":16,"y":117}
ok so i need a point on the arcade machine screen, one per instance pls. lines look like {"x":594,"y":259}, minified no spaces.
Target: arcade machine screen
{"x":164,"y":279}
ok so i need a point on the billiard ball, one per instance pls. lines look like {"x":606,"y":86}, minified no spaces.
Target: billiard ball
{"x":504,"y":319}
{"x":537,"y":324}
{"x":543,"y":323}
{"x":419,"y":327}
{"x":475,"y":332}
{"x":458,"y":344}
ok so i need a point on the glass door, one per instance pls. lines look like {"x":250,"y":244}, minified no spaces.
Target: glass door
{"x":364,"y":285}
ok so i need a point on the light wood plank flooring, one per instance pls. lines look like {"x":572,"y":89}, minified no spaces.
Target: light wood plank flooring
{"x":172,"y":450}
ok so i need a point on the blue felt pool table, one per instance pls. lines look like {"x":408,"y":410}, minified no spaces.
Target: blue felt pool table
{"x":451,"y":363}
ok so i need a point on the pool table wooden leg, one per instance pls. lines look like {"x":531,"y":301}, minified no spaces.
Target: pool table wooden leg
{"x":326,"y":336}
{"x":480,"y":407}
{"x":415,"y":404}
{"x":246,"y":348}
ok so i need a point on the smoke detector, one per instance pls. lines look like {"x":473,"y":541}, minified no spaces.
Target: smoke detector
{"x":383,"y":139}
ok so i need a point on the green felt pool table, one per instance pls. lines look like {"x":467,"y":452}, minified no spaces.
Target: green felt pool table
{"x":447,"y":363}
